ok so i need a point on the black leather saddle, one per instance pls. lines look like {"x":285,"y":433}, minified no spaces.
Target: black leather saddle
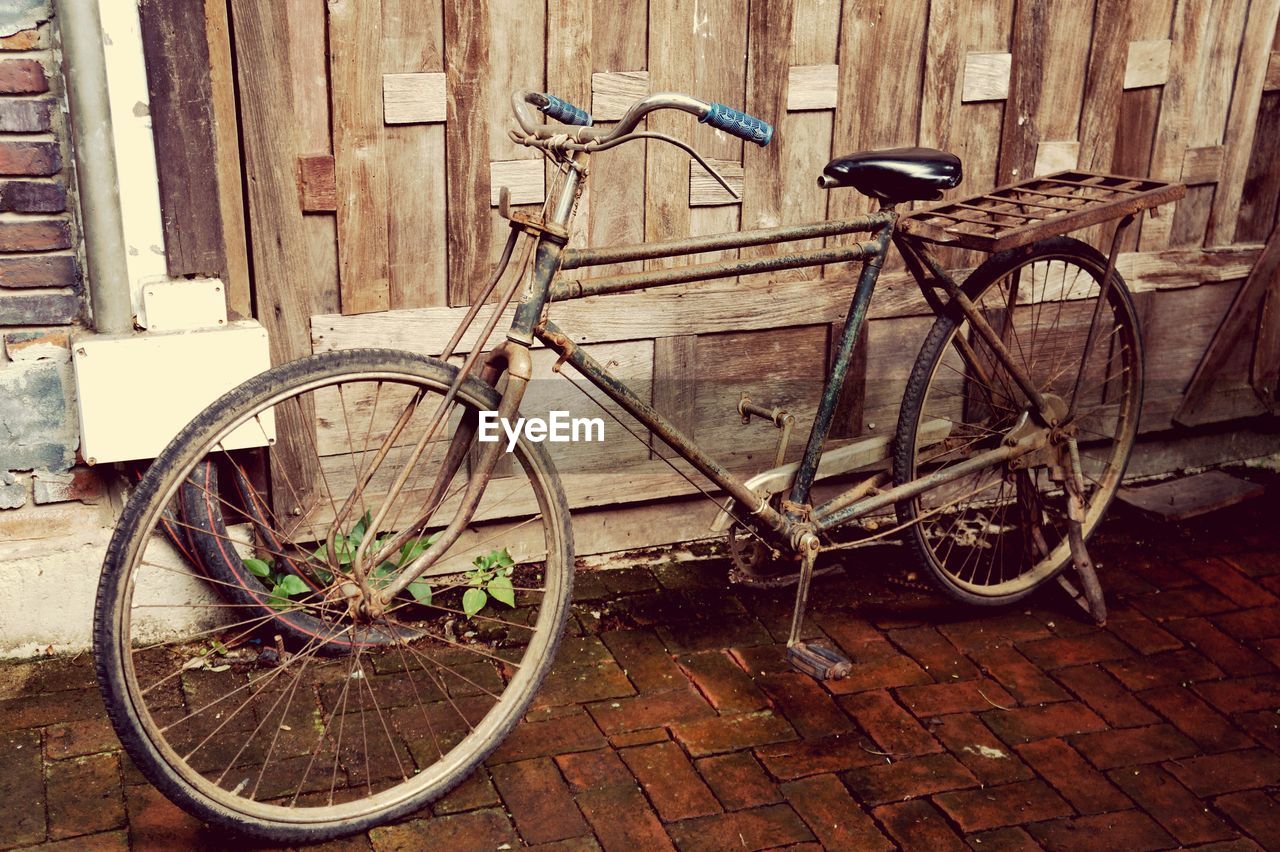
{"x":895,"y":174}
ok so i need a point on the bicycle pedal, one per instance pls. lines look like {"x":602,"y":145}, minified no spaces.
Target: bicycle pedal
{"x":818,"y":661}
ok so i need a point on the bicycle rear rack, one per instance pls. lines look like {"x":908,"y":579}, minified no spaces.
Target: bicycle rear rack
{"x":1034,"y":209}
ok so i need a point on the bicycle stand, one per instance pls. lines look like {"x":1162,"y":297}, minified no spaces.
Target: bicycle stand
{"x":1091,"y":600}
{"x":815,"y":660}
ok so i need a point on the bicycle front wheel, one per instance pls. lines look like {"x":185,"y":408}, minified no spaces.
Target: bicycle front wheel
{"x":992,"y":537}
{"x":242,"y":674}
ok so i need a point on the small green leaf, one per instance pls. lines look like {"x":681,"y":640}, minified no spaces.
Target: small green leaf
{"x":473,"y":600}
{"x":411,"y":550}
{"x":278,"y":598}
{"x":321,"y":553}
{"x":362,"y":526}
{"x":422,"y":592}
{"x":382,"y":576}
{"x":258,"y":568}
{"x":292,"y":585}
{"x":501,"y":590}
{"x":501,"y":558}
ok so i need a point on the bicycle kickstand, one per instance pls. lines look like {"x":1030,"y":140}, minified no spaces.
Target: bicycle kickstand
{"x":1091,"y":600}
{"x":815,"y":660}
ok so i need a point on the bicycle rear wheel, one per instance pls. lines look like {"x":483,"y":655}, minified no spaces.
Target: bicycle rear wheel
{"x":239,"y":675}
{"x":993,"y":537}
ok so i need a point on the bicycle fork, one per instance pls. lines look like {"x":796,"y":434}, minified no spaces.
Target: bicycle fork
{"x":513,"y":360}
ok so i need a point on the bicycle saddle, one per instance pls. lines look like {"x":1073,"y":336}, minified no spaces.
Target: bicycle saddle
{"x":895,"y":174}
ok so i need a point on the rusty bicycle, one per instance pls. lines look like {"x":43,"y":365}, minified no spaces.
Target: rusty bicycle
{"x":327,"y":601}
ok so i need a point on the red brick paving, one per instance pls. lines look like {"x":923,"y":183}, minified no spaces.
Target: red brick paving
{"x":675,"y":722}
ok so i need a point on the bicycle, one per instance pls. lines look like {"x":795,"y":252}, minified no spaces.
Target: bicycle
{"x":321,"y":608}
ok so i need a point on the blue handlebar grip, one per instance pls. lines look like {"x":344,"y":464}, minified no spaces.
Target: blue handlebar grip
{"x":565,"y":112}
{"x":745,"y":127}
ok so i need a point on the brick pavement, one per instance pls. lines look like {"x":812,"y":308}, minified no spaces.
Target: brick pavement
{"x":673,"y":721}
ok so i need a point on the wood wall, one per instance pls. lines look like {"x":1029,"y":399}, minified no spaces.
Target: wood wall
{"x":374,"y":137}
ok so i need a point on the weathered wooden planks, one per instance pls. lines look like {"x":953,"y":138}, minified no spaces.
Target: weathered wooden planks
{"x":1155,"y":87}
{"x":569,"y":66}
{"x":675,"y":385}
{"x":706,"y":191}
{"x":360,"y":171}
{"x":181,"y":104}
{"x":671,"y":47}
{"x":613,"y":92}
{"x":883,"y":111}
{"x":226,"y":139}
{"x":804,"y":137}
{"x":1147,"y":64}
{"x":716,"y":306}
{"x":1109,"y":73}
{"x":966,"y":80}
{"x":280,"y":247}
{"x":317,"y":191}
{"x":1050,"y":48}
{"x":1179,"y":499}
{"x":809,"y":86}
{"x":1250,"y":72}
{"x":619,"y":32}
{"x":525,"y":180}
{"x":309,"y":70}
{"x":1242,"y":318}
{"x":986,"y":76}
{"x":1213,"y":74}
{"x":413,"y":48}
{"x":466,"y":57}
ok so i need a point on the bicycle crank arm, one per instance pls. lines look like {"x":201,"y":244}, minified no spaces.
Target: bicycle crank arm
{"x":837,"y":462}
{"x":813,"y":659}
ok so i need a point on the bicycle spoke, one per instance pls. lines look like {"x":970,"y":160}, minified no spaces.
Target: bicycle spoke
{"x":1041,"y":310}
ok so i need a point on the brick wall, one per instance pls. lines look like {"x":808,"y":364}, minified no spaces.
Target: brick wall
{"x":39,"y":272}
{"x":41,"y":292}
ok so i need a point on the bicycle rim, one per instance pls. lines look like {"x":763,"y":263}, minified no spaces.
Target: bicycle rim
{"x":976,"y":535}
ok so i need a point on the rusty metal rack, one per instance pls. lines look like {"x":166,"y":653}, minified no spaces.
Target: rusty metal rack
{"x":1036,"y":208}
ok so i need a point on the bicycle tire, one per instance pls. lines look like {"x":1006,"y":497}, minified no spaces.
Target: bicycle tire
{"x":1000,"y":274}
{"x":144,"y":739}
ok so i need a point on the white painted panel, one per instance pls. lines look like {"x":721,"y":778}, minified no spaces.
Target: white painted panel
{"x":185,"y":305}
{"x":136,"y":392}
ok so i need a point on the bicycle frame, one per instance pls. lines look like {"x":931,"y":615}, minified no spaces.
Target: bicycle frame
{"x":550,"y":284}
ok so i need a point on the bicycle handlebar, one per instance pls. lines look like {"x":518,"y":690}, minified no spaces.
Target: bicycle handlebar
{"x":561,"y":110}
{"x":573,"y":122}
{"x":746,"y":127}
